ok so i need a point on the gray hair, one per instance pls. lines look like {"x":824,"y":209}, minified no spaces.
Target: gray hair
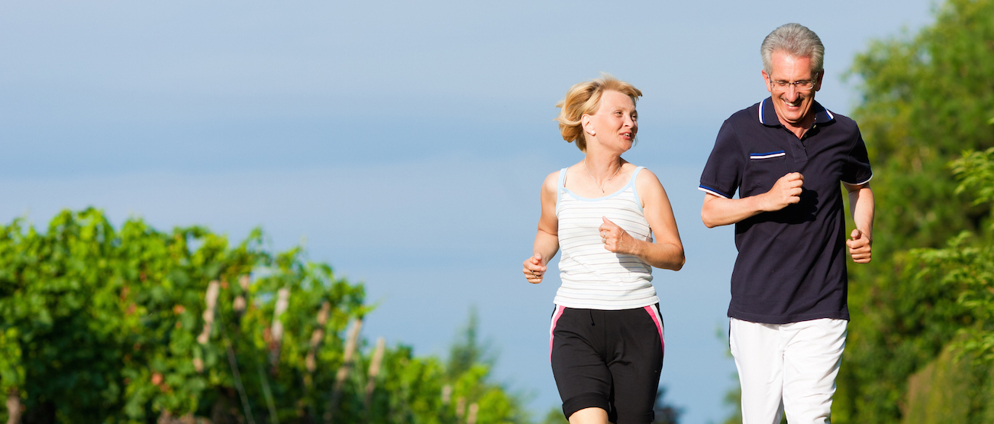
{"x":795,"y":40}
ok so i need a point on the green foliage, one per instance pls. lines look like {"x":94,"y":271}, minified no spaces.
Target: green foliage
{"x":467,"y":350}
{"x":105,"y":325}
{"x":935,"y":295}
{"x":733,"y":399}
{"x":975,"y":170}
{"x":467,"y":371}
{"x":966,"y":266}
{"x":953,"y":388}
{"x":554,"y":416}
{"x":665,"y":413}
{"x":926,"y":98}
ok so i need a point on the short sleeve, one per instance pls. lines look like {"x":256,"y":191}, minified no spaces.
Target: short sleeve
{"x":857,"y":170}
{"x":723,"y":171}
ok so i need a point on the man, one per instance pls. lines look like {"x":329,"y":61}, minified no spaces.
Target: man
{"x":786,"y":157}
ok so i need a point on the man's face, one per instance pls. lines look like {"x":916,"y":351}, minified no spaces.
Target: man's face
{"x":793,"y":104}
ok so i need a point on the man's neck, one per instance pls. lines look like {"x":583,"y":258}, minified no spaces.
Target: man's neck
{"x":801,"y":129}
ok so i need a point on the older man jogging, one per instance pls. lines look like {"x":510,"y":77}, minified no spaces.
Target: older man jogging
{"x":786,"y":156}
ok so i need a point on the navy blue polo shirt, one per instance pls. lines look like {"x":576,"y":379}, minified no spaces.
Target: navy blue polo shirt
{"x":791,"y":264}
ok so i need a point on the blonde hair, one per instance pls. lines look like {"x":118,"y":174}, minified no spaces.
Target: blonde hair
{"x":584,"y":99}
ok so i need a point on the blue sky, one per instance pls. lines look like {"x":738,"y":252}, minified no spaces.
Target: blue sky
{"x":402,"y":142}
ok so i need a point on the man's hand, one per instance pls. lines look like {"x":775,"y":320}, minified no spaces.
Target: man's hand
{"x":786,"y":191}
{"x":859,"y":247}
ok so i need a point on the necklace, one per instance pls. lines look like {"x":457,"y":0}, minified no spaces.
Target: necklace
{"x":595,"y":180}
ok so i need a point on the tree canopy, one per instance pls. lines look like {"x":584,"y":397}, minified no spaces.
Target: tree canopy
{"x":127,"y":325}
{"x":925,"y":110}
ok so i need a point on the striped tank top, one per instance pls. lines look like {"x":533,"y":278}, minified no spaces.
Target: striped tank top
{"x":593,"y":277}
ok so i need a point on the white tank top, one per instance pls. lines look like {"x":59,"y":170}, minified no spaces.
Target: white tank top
{"x":593,"y":277}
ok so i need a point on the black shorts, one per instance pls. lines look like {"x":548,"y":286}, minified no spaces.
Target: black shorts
{"x":609,"y":360}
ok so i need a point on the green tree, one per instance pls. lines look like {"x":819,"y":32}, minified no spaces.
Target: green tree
{"x":665,"y":413}
{"x":966,"y":265}
{"x":467,"y":350}
{"x":554,"y":416}
{"x":958,"y":385}
{"x":925,"y":99}
{"x":137,"y":325}
{"x":468,"y":378}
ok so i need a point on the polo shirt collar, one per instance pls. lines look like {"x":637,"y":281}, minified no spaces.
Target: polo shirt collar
{"x":768,"y":115}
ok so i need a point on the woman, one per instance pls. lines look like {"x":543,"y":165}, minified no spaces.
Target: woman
{"x":606,"y":341}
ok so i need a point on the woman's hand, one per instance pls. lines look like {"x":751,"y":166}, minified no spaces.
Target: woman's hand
{"x":616,"y":239}
{"x":546,"y":238}
{"x":534,"y":268}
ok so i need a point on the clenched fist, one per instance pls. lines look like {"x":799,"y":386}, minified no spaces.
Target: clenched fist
{"x":534,"y":268}
{"x":615,"y":238}
{"x":786,"y":191}
{"x":859,"y":247}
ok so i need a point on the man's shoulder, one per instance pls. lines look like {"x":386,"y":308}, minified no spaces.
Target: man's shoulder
{"x":844,"y":122}
{"x":742,"y":122}
{"x":747,"y":115}
{"x":847,"y":122}
{"x":743,"y":125}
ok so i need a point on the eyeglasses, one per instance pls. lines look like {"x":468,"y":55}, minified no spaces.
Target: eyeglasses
{"x":799,"y":85}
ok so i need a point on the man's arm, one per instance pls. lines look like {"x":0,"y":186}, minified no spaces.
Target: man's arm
{"x":719,"y":211}
{"x":861,"y":207}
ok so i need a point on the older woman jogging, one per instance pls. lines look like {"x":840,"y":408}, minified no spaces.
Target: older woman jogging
{"x":614,"y":223}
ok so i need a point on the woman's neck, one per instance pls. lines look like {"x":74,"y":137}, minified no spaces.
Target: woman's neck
{"x":602,"y":169}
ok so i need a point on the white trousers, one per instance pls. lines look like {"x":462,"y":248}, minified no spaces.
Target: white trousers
{"x":787,"y":368}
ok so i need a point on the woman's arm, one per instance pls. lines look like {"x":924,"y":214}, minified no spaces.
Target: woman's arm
{"x":667,"y":250}
{"x":547,"y":237}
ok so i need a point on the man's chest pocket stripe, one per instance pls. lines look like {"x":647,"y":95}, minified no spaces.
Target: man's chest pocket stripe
{"x":769,"y":155}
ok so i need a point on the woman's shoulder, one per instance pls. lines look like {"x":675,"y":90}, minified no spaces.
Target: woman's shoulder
{"x":647,"y":180}
{"x":551,"y":181}
{"x":556,"y":175}
{"x":643,"y":172}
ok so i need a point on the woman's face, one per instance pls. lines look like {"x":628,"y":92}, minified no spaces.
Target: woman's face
{"x":616,"y":120}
